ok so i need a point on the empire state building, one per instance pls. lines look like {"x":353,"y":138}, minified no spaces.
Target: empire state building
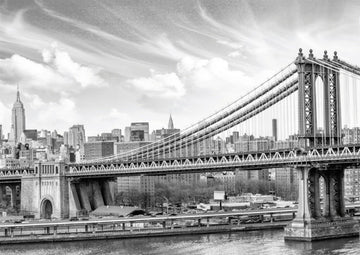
{"x":18,"y":119}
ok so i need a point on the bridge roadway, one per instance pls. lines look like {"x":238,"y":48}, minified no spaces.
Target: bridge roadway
{"x":13,"y":175}
{"x":346,"y":156}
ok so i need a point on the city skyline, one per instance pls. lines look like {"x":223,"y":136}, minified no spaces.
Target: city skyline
{"x":124,"y":119}
{"x":143,"y":70}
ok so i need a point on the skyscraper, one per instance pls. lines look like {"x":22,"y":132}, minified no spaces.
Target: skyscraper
{"x":116,"y":133}
{"x":66,"y":138}
{"x":171,"y":123}
{"x":127,"y":134}
{"x":98,"y":149}
{"x":139,"y":131}
{"x":18,"y":119}
{"x":274,"y":129}
{"x":76,"y":137}
{"x":164,"y":133}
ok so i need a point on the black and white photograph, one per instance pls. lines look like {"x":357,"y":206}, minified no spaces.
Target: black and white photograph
{"x":182,"y":127}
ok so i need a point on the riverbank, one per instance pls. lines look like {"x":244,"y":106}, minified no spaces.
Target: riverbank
{"x":138,"y":233}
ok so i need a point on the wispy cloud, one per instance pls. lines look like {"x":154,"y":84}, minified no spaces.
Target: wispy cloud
{"x":166,"y":85}
{"x":201,"y":51}
{"x":191,"y":74}
{"x":61,"y":113}
{"x":57,"y":72}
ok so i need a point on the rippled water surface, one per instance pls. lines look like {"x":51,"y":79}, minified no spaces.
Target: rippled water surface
{"x":255,"y":242}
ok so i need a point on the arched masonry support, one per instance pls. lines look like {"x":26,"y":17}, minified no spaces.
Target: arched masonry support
{"x":47,"y":182}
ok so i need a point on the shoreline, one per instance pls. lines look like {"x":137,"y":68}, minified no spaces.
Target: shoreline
{"x":69,"y":237}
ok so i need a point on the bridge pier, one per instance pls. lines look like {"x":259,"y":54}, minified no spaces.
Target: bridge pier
{"x":84,"y":198}
{"x":74,"y":199}
{"x":315,"y":221}
{"x":106,"y":190}
{"x":88,"y":194}
{"x":97,"y":196}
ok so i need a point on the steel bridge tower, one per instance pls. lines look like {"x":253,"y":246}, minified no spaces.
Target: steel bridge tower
{"x":316,"y":220}
{"x":308,"y":72}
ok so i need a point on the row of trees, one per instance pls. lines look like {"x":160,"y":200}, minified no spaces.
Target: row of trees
{"x":171,"y":193}
{"x":180,"y":193}
{"x":283,"y":190}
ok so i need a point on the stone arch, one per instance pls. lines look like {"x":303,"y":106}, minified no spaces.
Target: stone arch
{"x":46,"y":207}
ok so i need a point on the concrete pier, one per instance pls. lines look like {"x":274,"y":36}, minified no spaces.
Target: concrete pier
{"x":84,"y":198}
{"x":98,"y":199}
{"x":313,"y":222}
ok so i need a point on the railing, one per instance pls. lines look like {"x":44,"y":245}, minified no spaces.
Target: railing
{"x":32,"y":232}
{"x":271,"y":159}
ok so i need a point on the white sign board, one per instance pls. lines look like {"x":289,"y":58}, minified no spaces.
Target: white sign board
{"x":219,"y":195}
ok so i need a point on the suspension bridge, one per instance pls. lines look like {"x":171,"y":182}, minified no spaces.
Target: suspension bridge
{"x":312,"y":99}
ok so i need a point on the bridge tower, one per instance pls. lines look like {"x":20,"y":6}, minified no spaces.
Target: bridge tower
{"x":309,"y":70}
{"x":316,"y":220}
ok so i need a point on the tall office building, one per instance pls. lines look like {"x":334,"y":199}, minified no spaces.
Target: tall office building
{"x":137,"y":132}
{"x":286,"y":183}
{"x":351,"y":135}
{"x":18,"y":119}
{"x":171,"y":123}
{"x":127,"y":134}
{"x":163,"y":133}
{"x":66,"y":138}
{"x":116,"y":133}
{"x":352,"y":184}
{"x":76,"y":137}
{"x":98,"y":149}
{"x":274,"y":129}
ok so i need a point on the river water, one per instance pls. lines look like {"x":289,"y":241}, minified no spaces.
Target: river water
{"x":249,"y":243}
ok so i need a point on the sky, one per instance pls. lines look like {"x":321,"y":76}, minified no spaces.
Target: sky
{"x":108,"y":63}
